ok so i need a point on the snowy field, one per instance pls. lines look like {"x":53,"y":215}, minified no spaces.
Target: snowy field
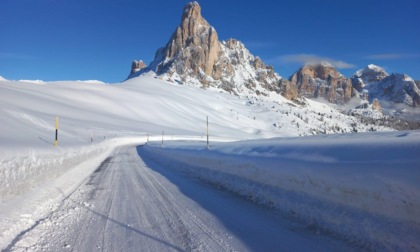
{"x":360,"y":187}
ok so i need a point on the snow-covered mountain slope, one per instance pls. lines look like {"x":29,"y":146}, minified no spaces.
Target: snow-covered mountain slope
{"x":371,"y":74}
{"x":195,"y":56}
{"x":377,"y":84}
{"x":95,"y":117}
{"x":147,"y":104}
{"x":93,"y":112}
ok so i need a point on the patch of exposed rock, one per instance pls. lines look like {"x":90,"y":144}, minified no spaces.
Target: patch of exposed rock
{"x":137,"y":66}
{"x":323,"y":80}
{"x":376,"y":105}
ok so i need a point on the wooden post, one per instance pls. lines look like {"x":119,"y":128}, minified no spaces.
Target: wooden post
{"x":56,"y":132}
{"x":163,"y":133}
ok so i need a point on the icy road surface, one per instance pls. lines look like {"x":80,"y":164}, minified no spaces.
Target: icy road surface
{"x":128,"y":206}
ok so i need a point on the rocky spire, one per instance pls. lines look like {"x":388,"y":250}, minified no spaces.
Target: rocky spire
{"x":195,"y":40}
{"x":195,"y":55}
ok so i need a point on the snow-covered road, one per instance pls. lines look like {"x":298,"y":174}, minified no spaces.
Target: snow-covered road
{"x":127,"y":205}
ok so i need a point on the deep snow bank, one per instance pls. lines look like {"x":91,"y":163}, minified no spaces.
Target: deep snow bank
{"x":361,"y":187}
{"x":27,"y":170}
{"x":33,"y":185}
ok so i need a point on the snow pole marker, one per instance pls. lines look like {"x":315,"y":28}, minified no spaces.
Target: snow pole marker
{"x":56,"y":132}
{"x":163,"y":133}
{"x":207,"y":132}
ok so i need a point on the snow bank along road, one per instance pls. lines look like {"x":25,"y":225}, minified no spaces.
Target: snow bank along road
{"x":135,"y":204}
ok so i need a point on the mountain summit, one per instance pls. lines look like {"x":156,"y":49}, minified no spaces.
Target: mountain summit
{"x":195,"y":55}
{"x":397,"y":88}
{"x":323,"y":80}
{"x":193,"y":47}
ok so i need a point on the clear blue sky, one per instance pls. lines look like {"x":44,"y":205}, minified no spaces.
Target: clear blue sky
{"x":98,"y":39}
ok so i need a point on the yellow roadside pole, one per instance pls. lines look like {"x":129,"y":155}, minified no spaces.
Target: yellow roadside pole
{"x":56,"y":132}
{"x":208,"y":132}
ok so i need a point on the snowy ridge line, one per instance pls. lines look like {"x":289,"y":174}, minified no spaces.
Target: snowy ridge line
{"x":382,"y":215}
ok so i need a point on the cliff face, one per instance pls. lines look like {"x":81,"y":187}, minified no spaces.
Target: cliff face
{"x":194,"y":42}
{"x":323,"y":80}
{"x":195,"y":55}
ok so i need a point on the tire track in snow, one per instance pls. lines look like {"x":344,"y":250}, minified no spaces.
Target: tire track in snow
{"x":128,"y":206}
{"x":182,"y":215}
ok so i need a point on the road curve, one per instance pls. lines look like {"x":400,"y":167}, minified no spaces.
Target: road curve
{"x":127,"y":205}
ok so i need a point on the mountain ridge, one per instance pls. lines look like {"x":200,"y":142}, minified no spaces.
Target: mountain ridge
{"x":195,"y":55}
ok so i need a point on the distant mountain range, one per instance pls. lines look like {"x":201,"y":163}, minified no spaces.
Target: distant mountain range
{"x":194,"y":55}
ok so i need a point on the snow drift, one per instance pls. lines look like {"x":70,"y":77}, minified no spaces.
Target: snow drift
{"x":353,"y":186}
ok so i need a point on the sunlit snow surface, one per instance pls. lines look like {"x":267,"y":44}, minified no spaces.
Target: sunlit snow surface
{"x":356,"y":184}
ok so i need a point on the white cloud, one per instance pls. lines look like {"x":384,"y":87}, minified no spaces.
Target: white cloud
{"x":312,"y":59}
{"x":390,"y":56}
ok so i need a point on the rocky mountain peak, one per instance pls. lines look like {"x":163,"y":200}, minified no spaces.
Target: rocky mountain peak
{"x":371,"y":74}
{"x":195,"y":55}
{"x":137,"y":66}
{"x":192,"y":10}
{"x":377,"y":84}
{"x":321,"y":71}
{"x":323,"y":80}
{"x":194,"y":45}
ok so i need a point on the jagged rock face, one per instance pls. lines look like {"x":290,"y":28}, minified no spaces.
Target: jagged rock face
{"x":323,"y":80}
{"x":370,"y":74}
{"x":194,"y":54}
{"x":288,"y":89}
{"x":195,"y":41}
{"x":137,"y":66}
{"x":398,"y":88}
{"x":239,"y":71}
